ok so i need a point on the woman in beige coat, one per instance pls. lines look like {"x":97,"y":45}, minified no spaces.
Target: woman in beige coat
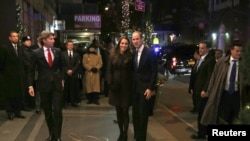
{"x":92,"y":62}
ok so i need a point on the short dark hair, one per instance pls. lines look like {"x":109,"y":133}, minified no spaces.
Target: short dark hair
{"x":205,"y":42}
{"x":236,"y":43}
{"x":69,"y":41}
{"x":219,"y":50}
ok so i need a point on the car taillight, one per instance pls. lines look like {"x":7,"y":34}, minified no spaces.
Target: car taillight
{"x":174,"y":62}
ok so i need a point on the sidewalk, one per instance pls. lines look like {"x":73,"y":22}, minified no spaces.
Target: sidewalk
{"x":84,"y":123}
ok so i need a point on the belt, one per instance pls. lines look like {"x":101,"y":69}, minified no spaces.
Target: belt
{"x":226,"y":91}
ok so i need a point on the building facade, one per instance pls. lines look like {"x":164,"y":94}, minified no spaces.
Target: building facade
{"x":28,"y":17}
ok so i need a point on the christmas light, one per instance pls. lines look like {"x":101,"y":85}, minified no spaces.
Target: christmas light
{"x":125,"y":23}
{"x":148,"y":33}
{"x":20,"y":25}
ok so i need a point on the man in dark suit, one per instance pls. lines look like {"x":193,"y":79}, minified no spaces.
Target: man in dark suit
{"x":203,"y":73}
{"x":48,"y":61}
{"x":191,"y":82}
{"x":12,"y":68}
{"x":71,"y":63}
{"x":145,"y":77}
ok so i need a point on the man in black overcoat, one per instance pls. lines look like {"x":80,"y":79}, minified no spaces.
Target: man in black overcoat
{"x":12,"y":66}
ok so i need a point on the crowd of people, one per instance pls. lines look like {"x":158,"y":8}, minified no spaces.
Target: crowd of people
{"x":50,"y":78}
{"x":42,"y":76}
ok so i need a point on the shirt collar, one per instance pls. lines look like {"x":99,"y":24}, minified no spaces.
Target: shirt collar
{"x":140,"y":49}
{"x":46,"y":48}
{"x":202,"y":57}
{"x":231,"y":59}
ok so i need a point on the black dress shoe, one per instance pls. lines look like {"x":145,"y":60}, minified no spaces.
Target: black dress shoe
{"x":38,"y":112}
{"x":50,"y":139}
{"x":26,"y":109}
{"x":74,"y":105}
{"x":20,"y":116}
{"x":89,"y":102}
{"x":11,"y":116}
{"x":97,"y":102}
{"x":193,"y":111}
{"x":196,"y":136}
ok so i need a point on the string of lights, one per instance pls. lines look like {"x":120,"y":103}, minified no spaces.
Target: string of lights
{"x":20,"y":25}
{"x":125,"y":23}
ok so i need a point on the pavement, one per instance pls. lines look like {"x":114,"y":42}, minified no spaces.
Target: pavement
{"x":171,"y":121}
{"x":85,"y":123}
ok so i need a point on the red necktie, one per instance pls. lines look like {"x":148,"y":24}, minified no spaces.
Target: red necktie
{"x":49,"y":58}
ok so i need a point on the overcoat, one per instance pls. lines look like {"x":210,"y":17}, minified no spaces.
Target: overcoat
{"x":92,"y":81}
{"x":215,"y":90}
{"x":12,"y":68}
{"x":120,"y":75}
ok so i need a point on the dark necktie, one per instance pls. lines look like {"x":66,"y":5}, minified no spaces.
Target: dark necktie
{"x":70,"y":58}
{"x":199,"y":63}
{"x":15,"y":48}
{"x":70,"y":55}
{"x":49,"y":58}
{"x":232,"y":78}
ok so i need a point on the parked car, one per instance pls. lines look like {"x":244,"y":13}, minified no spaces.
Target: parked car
{"x":178,"y":58}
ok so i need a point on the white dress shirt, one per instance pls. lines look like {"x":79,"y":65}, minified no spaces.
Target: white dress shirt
{"x":229,"y":73}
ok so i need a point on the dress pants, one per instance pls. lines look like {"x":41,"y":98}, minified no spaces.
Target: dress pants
{"x":14,"y":105}
{"x":140,"y":113}
{"x":51,"y":103}
{"x":229,"y":107}
{"x":202,"y":129}
{"x":71,"y":90}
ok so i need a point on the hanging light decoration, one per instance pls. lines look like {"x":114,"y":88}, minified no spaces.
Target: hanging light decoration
{"x":125,"y":23}
{"x":148,"y":33}
{"x":20,"y":25}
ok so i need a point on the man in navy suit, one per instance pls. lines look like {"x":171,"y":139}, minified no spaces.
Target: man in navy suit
{"x":48,"y":61}
{"x":202,"y":76}
{"x":145,"y":77}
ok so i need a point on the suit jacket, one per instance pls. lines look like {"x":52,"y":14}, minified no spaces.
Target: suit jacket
{"x":203,"y":74}
{"x":46,"y":74}
{"x":72,"y":64}
{"x":12,"y":68}
{"x":192,"y":78}
{"x":145,"y":76}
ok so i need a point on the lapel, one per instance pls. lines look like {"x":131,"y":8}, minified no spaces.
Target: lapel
{"x":203,"y":62}
{"x":55,"y":54}
{"x":66,"y":55}
{"x":12,"y":49}
{"x":43,"y":57}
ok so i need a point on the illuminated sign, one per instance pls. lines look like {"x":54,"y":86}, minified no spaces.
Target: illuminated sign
{"x":140,"y":5}
{"x":87,"y":21}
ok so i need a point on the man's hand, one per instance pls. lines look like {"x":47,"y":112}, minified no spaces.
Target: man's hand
{"x":62,"y":84}
{"x":191,"y":91}
{"x":148,"y":93}
{"x":31,"y":91}
{"x":69,"y":72}
{"x":204,"y":94}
